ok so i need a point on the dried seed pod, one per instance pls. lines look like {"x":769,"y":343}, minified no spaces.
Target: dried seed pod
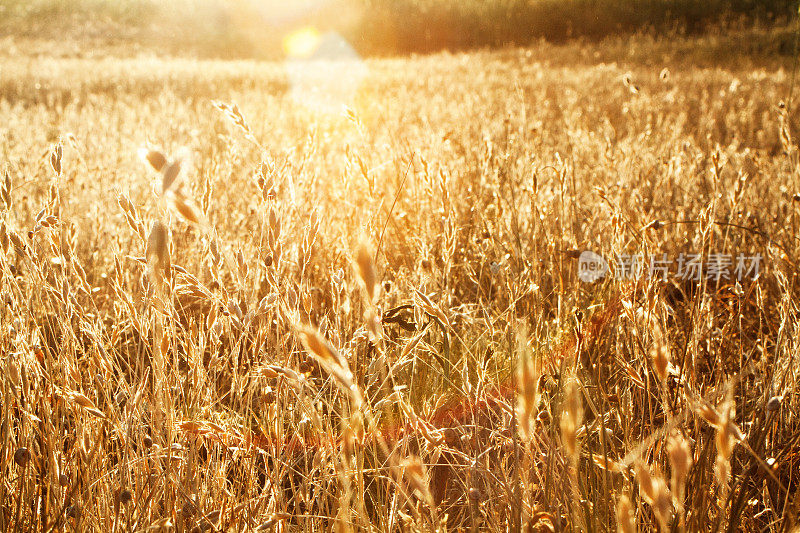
{"x":4,"y":240}
{"x":269,"y":396}
{"x":331,"y":360}
{"x":709,"y":414}
{"x":22,"y":456}
{"x":236,"y":117}
{"x":120,"y":398}
{"x":544,"y":417}
{"x":774,"y":404}
{"x":654,"y":225}
{"x":451,"y":436}
{"x":727,"y":436}
{"x":124,"y":496}
{"x":189,"y":509}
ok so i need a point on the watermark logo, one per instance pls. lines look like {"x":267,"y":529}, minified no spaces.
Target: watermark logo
{"x":714,"y":267}
{"x":591,"y":266}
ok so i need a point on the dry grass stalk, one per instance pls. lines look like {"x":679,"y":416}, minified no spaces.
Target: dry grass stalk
{"x":196,"y":398}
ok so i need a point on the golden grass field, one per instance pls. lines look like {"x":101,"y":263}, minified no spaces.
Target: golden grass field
{"x":274,"y":318}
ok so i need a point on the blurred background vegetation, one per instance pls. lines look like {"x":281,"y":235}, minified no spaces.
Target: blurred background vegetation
{"x":256,"y":28}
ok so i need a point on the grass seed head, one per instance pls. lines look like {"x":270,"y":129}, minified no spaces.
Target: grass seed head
{"x":187,"y":209}
{"x":680,"y":458}
{"x":655,"y":492}
{"x":660,"y":355}
{"x":170,"y":175}
{"x":55,"y":158}
{"x":158,"y":248}
{"x":626,"y":522}
{"x":528,"y":388}
{"x":416,"y":474}
{"x":366,"y":270}
{"x":154,"y":158}
{"x":571,"y":416}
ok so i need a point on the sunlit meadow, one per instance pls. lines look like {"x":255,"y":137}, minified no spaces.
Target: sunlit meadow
{"x":342,"y":290}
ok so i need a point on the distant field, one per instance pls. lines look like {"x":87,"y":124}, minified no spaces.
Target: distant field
{"x":283,"y":317}
{"x":256,"y":28}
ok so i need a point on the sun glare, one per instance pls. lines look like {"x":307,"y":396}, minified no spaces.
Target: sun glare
{"x":324,"y":71}
{"x":302,"y":43}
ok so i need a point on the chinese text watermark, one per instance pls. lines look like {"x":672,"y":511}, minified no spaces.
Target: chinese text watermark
{"x":713,"y":267}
